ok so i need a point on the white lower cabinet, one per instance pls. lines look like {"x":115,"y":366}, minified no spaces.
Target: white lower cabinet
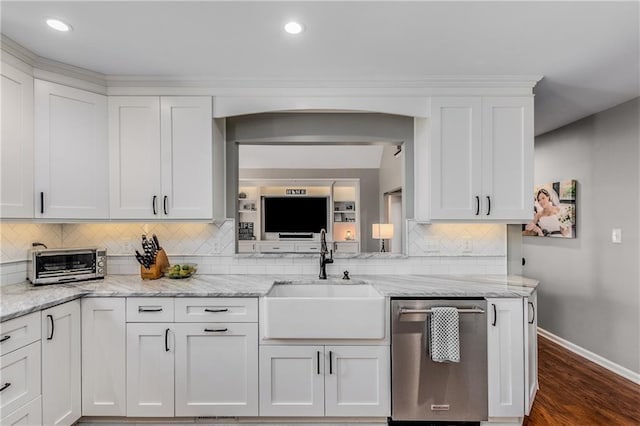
{"x":150,"y":370}
{"x":27,"y":415}
{"x":506,"y":369}
{"x":103,"y":356}
{"x":324,"y":381}
{"x":19,"y":378}
{"x":216,"y":369}
{"x":531,"y":351}
{"x":61,"y":387}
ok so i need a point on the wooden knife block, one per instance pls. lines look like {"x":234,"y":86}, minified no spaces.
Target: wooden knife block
{"x":156,"y":270}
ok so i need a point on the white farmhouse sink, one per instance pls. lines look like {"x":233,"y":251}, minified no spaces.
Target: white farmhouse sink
{"x":323,"y":311}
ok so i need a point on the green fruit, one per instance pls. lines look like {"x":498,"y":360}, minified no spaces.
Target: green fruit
{"x":186,"y":267}
{"x":176,"y":268}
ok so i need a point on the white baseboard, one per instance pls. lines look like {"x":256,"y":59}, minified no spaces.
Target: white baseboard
{"x":603,"y":362}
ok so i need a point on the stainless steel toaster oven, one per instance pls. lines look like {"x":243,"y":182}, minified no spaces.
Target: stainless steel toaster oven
{"x":52,"y":266}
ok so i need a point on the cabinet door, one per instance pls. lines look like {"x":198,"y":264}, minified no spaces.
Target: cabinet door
{"x":507,"y":158}
{"x":150,"y":357}
{"x":134,"y":157}
{"x":456,"y":155}
{"x":505,"y":345}
{"x":357,"y":382}
{"x":19,"y":378}
{"x":103,"y":356}
{"x":61,"y":364}
{"x":216,"y":369}
{"x":292,"y":381}
{"x":16,"y":145}
{"x":27,"y":415}
{"x":531,"y":352}
{"x":187,"y":146}
{"x":71,"y":153}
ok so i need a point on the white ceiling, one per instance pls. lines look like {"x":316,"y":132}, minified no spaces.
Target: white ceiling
{"x":310,"y":157}
{"x":587,"y":51}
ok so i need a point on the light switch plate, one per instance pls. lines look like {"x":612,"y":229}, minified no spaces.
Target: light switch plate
{"x":616,"y":236}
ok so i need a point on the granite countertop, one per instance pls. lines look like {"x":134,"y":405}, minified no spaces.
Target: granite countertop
{"x":24,"y":298}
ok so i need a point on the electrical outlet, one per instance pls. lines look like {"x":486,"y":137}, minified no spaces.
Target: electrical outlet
{"x":616,"y":236}
{"x":467,"y":245}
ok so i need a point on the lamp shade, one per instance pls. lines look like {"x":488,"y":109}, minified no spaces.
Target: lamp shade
{"x":382,"y":231}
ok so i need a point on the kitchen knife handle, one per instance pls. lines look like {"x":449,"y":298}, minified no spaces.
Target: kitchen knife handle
{"x":153,"y":205}
{"x":53,"y":326}
{"x":489,"y":205}
{"x":477,"y":205}
{"x":41,"y":202}
{"x":164,"y":204}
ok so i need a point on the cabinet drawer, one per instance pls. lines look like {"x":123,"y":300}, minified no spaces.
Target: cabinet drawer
{"x":19,"y":332}
{"x":276,"y":247}
{"x":27,"y":415}
{"x":308,"y":247}
{"x":207,"y":309}
{"x":149,"y":309}
{"x":20,"y":377}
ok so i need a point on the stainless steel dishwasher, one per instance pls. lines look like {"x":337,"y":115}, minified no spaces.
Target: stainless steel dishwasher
{"x":422,"y":389}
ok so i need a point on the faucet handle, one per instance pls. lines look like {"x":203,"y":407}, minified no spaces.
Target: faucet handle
{"x":345,"y":275}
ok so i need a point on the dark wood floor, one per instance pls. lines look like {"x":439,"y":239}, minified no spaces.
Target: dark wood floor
{"x":575,"y":391}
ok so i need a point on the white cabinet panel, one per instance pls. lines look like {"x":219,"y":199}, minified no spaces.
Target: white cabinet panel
{"x":216,"y":309}
{"x":161,"y":157}
{"x":61,"y":387}
{"x":71,"y":153}
{"x":103,"y":356}
{"x":150,"y":309}
{"x":19,"y":377}
{"x":19,"y":332}
{"x":216,"y":369}
{"x":456,"y":154}
{"x":507,"y":158}
{"x":292,"y":381}
{"x":134,"y":156}
{"x":150,"y":370}
{"x":531,"y":351}
{"x":358,"y":381}
{"x":187,"y":161}
{"x":16,"y":145}
{"x":479,"y":152}
{"x":27,"y":415}
{"x":505,"y":343}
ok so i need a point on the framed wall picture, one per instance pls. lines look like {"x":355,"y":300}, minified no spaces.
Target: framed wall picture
{"x":554,"y":206}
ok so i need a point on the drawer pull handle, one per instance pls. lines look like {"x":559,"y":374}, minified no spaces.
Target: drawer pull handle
{"x":5,"y":338}
{"x":216,"y":330}
{"x":216,"y":310}
{"x":166,"y":340}
{"x":6,"y":385}
{"x":318,"y":361}
{"x":141,"y":309}
{"x":53,"y":326}
{"x":330,"y":362}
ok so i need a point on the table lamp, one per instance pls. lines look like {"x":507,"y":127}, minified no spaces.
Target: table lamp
{"x":382,"y":231}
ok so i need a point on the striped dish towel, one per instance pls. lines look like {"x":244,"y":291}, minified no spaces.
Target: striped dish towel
{"x":444,"y":341}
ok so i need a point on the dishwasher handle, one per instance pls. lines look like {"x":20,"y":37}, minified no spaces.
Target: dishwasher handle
{"x":469,"y":310}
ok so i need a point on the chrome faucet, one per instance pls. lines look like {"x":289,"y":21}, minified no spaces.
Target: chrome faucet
{"x":323,"y":255}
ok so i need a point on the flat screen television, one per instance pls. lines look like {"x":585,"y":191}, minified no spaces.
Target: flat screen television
{"x":295,"y":214}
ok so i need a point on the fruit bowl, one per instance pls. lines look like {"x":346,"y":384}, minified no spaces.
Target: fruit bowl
{"x":184,"y":270}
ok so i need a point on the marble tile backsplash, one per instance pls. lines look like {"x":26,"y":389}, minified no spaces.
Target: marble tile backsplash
{"x":432,"y":249}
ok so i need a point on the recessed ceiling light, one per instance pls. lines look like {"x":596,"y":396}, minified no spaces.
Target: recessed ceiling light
{"x":293,"y":27}
{"x":57,"y":24}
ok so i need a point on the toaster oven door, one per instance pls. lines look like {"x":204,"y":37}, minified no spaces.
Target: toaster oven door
{"x":64,"y":267}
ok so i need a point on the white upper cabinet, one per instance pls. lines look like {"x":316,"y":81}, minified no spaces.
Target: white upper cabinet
{"x":160,"y":152}
{"x":479,"y":155}
{"x":134,"y":156}
{"x":16,"y":145}
{"x":71,"y":171}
